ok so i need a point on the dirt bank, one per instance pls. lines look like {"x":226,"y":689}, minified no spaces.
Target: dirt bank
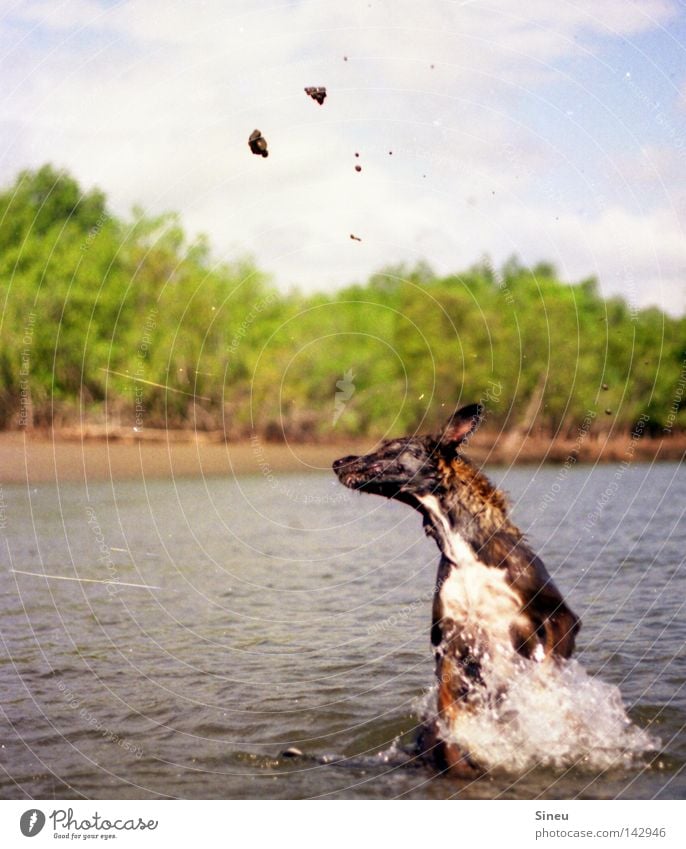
{"x":67,"y":456}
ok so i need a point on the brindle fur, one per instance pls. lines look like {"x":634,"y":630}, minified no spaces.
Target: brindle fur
{"x":423,"y":470}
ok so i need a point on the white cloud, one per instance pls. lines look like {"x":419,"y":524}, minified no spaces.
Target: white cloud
{"x":154,"y":102}
{"x":639,"y":256}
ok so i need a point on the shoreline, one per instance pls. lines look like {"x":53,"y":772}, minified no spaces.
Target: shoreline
{"x":71,"y":455}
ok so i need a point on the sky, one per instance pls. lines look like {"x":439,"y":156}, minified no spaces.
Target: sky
{"x":554,"y":131}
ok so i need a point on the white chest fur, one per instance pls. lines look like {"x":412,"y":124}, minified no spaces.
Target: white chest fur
{"x":475,"y":596}
{"x":478,"y":597}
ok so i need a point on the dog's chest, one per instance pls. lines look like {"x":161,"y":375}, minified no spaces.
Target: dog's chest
{"x":479,"y":594}
{"x":473,"y":595}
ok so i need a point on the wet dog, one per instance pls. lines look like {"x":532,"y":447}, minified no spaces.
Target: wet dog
{"x":495,"y":606}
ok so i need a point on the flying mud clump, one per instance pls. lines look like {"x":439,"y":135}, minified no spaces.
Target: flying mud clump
{"x":258,"y":143}
{"x":317,"y":93}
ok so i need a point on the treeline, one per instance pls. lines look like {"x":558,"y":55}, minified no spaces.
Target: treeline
{"x":128,"y":323}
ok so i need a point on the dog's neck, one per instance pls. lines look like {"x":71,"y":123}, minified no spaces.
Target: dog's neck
{"x":452,"y":544}
{"x":466,"y":515}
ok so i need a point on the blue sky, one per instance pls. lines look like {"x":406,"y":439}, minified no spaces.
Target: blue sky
{"x":555,"y":131}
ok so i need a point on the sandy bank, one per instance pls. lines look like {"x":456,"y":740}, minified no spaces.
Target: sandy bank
{"x":67,"y":456}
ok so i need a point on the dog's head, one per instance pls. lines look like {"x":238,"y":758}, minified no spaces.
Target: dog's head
{"x":429,"y":473}
{"x":410,"y":468}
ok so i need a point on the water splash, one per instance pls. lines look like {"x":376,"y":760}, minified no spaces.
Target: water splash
{"x":550,"y":716}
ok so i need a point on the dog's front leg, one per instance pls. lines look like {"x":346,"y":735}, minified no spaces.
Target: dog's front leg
{"x":457,"y":676}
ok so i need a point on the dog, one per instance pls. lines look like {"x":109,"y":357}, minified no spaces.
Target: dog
{"x":495,"y":606}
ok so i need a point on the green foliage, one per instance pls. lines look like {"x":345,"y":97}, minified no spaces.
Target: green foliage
{"x":128,"y":321}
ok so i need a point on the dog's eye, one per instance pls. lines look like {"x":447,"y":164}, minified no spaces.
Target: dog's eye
{"x":410,"y":463}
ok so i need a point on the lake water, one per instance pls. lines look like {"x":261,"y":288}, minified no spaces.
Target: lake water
{"x":293,"y":612}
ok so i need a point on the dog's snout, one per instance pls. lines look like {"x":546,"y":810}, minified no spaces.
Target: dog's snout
{"x":342,"y":462}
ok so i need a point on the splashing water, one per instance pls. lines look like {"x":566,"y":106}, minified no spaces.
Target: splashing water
{"x":550,"y":716}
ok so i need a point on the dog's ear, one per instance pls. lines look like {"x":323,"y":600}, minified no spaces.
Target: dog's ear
{"x":461,"y":425}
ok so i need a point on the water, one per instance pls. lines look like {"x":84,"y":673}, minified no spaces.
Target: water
{"x":292,"y":612}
